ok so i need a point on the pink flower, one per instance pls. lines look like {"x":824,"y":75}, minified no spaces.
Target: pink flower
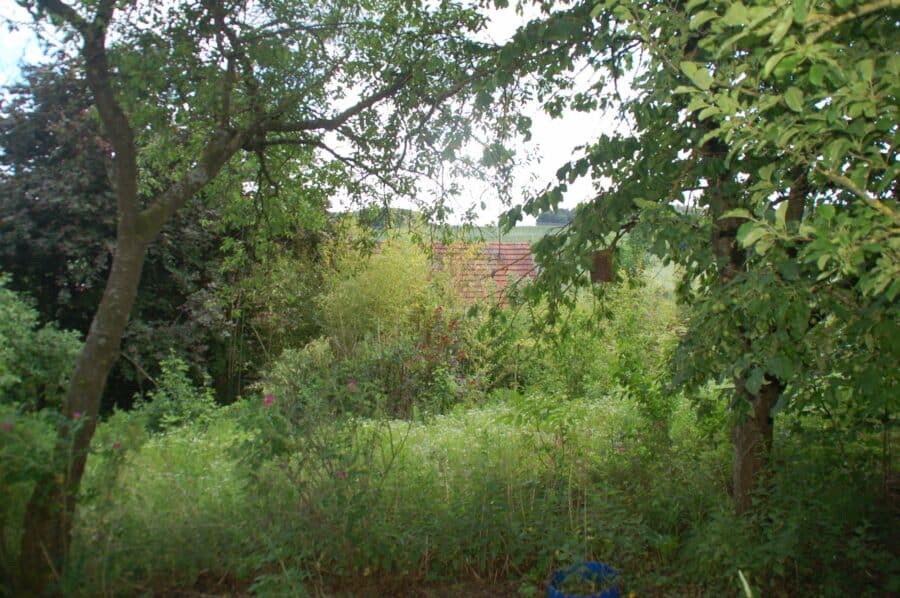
{"x":6,"y":426}
{"x":341,"y":474}
{"x":76,"y":415}
{"x":353,"y":385}
{"x":117,"y":445}
{"x":267,"y":402}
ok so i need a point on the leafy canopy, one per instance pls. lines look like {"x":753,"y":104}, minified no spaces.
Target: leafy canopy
{"x":756,"y":150}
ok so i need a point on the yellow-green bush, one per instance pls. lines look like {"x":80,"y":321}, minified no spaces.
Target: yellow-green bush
{"x":384,"y":297}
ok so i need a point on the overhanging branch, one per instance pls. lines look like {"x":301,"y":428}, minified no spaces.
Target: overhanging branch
{"x":331,"y":124}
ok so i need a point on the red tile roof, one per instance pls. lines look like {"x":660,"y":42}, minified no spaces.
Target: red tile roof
{"x":484,"y":270}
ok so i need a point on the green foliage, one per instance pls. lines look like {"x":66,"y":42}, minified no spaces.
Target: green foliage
{"x":821,"y":508}
{"x":760,"y":158}
{"x":392,"y":342}
{"x":26,"y":454}
{"x":57,"y":225}
{"x":310,"y":489}
{"x":175,"y":401}
{"x":383,"y":298}
{"x":35,"y":361}
{"x":559,"y":216}
{"x":500,"y":490}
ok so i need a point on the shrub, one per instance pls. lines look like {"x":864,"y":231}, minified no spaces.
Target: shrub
{"x":175,"y":401}
{"x":35,"y":360}
{"x":26,"y":454}
{"x":385,"y":298}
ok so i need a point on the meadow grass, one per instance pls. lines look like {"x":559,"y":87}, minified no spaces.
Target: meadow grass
{"x":479,"y":493}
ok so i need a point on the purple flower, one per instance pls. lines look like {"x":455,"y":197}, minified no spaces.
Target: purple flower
{"x":117,"y":446}
{"x":267,"y":402}
{"x":76,"y":415}
{"x":6,"y":426}
{"x":353,"y":386}
{"x":341,"y":474}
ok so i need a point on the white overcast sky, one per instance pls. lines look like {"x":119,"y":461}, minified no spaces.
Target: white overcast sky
{"x":552,"y":143}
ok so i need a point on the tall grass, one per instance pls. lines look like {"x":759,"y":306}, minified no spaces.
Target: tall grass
{"x":479,"y":493}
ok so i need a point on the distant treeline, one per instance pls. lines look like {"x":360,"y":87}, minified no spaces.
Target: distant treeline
{"x":559,"y":216}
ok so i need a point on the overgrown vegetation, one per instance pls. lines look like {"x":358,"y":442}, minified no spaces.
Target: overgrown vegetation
{"x":305,"y":403}
{"x":375,"y":459}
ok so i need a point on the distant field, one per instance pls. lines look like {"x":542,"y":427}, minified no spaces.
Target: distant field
{"x":519,"y":234}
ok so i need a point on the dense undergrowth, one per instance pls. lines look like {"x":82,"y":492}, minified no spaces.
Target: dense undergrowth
{"x":417,"y":443}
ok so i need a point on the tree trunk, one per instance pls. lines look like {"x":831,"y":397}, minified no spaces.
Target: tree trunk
{"x":753,"y":444}
{"x":48,"y":517}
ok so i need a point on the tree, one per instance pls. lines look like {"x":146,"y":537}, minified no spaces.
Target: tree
{"x":759,"y":156}
{"x":184,"y":90}
{"x":57,"y":232}
{"x":557,"y":216}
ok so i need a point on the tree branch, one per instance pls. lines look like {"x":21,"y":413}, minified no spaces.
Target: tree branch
{"x":65,"y":12}
{"x":220,"y":147}
{"x":848,"y":185}
{"x":331,"y":124}
{"x":859,"y":11}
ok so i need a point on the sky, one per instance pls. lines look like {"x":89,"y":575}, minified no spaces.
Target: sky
{"x":552,"y":144}
{"x":18,"y":45}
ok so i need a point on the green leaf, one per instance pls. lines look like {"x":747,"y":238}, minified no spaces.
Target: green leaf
{"x":702,"y":17}
{"x":790,"y":271}
{"x":692,"y":4}
{"x":781,"y":28}
{"x":817,"y":74}
{"x":786,"y":66}
{"x":728,"y":104}
{"x":754,"y":381}
{"x":836,"y":150}
{"x":866,"y":68}
{"x":763,"y":246}
{"x":793,"y":97}
{"x":736,"y":15}
{"x":781,"y":215}
{"x":708,"y":111}
{"x":799,"y":11}
{"x":772,"y":62}
{"x":751,"y":236}
{"x":826,"y":211}
{"x":698,"y":74}
{"x":738,"y":213}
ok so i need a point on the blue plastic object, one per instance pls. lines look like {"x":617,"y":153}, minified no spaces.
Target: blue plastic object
{"x":602,"y":573}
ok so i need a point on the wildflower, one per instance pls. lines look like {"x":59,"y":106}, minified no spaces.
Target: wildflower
{"x":340,"y":474}
{"x":117,"y":446}
{"x":461,"y":355}
{"x":76,"y":415}
{"x":267,"y":402}
{"x":6,"y":426}
{"x":352,"y":385}
{"x":453,"y":324}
